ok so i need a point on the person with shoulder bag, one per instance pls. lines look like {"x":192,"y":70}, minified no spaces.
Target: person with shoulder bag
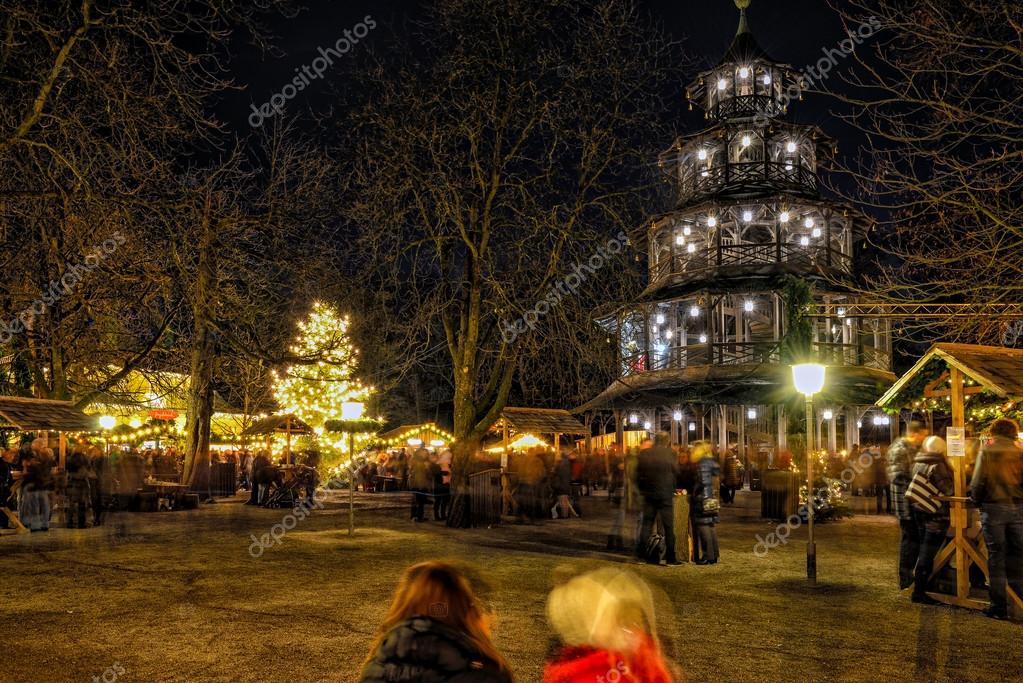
{"x":931,"y":477}
{"x":706,"y":504}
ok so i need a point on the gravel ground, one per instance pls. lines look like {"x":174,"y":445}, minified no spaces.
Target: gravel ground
{"x":179,"y":597}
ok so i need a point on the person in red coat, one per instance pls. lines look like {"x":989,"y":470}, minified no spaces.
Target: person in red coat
{"x":605,"y":621}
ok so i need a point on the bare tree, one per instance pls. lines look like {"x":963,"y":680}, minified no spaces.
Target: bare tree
{"x":494,"y":157}
{"x":938,"y":95}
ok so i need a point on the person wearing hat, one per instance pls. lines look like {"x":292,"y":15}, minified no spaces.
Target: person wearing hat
{"x":605,"y":622}
{"x":932,"y":526}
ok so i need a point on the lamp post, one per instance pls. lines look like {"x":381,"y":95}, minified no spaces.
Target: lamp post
{"x":351,"y":410}
{"x":809,"y":380}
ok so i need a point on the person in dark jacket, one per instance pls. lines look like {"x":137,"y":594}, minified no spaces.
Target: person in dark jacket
{"x":420,"y":483}
{"x":932,"y":527}
{"x":561,"y":483}
{"x":441,"y":491}
{"x":997,"y":486}
{"x":655,"y":477}
{"x":900,"y":463}
{"x":79,"y":482}
{"x":436,"y":631}
{"x":36,"y":488}
{"x":262,"y":476}
{"x":704,"y":518}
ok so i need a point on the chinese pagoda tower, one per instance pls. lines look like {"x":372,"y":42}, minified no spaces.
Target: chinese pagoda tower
{"x":700,"y":349}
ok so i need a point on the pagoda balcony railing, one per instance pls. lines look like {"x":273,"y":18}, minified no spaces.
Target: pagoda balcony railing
{"x":748,"y":353}
{"x":812,"y":258}
{"x":746,"y":106}
{"x":748,"y":176}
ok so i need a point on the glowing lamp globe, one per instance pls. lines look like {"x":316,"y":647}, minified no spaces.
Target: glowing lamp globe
{"x":107,"y":422}
{"x":352,"y":410}
{"x":808,"y":378}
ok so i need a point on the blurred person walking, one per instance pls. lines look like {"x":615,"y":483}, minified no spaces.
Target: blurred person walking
{"x":79,"y":482}
{"x":655,"y":477}
{"x":605,"y":623}
{"x":436,"y":631}
{"x":900,"y":464}
{"x":997,"y":486}
{"x":706,"y":505}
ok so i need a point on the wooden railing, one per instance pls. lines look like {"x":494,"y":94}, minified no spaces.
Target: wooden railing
{"x":745,"y":174}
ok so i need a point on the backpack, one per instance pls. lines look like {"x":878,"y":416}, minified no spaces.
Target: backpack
{"x":655,"y":547}
{"x":922,"y":494}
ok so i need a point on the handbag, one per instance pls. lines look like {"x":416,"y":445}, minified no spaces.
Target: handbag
{"x":711,"y":506}
{"x":922,"y":494}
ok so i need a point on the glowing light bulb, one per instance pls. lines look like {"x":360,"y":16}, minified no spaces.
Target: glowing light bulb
{"x":808,"y":222}
{"x":748,"y":306}
{"x":788,"y":167}
{"x":703,"y":339}
{"x":744,"y":72}
{"x":816,"y":232}
{"x":747,"y":215}
{"x":647,"y":426}
{"x":722,"y":84}
{"x":633,"y":419}
{"x":677,"y":416}
{"x":791,"y":148}
{"x":680,"y":240}
{"x":784,"y":217}
{"x":660,"y":319}
{"x":711,"y":221}
{"x":827,"y":414}
{"x":668,"y":334}
{"x":804,"y":241}
{"x":751,"y":413}
{"x":746,"y":141}
{"x":694,"y":311}
{"x":690,"y":248}
{"x":767,"y":79}
{"x":702,"y":155}
{"x":687,"y":231}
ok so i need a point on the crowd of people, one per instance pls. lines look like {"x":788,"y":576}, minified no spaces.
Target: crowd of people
{"x":438,"y":628}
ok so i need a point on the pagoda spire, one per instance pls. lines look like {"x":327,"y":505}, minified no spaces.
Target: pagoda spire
{"x":743,"y":26}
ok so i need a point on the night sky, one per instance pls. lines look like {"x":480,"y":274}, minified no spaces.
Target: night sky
{"x":793,"y":31}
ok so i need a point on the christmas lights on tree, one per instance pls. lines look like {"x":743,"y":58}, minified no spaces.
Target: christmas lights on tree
{"x":315,"y":390}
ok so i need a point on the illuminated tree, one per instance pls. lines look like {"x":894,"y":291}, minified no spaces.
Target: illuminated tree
{"x":323,"y":379}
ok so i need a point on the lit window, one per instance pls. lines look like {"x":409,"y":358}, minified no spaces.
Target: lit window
{"x":747,"y":215}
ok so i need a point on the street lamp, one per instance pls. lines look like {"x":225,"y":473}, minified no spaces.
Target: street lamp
{"x":809,"y":380}
{"x":351,"y":410}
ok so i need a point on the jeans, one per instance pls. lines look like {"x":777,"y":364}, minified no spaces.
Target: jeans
{"x":909,"y":551}
{"x":1003,"y":534}
{"x":665,"y":510}
{"x":930,"y":544}
{"x":883,"y":492}
{"x":707,"y":537}
{"x":34,"y":509}
{"x":418,"y":505}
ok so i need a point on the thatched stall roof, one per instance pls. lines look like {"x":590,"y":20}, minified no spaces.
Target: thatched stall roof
{"x":995,"y":369}
{"x":542,"y":421}
{"x":36,"y":414}
{"x":284,"y":424}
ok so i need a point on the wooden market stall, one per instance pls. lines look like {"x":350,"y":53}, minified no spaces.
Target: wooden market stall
{"x":944,"y":379}
{"x":44,"y":415}
{"x":278,"y":424}
{"x":425,"y":434}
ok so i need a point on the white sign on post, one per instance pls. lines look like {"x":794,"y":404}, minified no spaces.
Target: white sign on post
{"x":956,"y":439}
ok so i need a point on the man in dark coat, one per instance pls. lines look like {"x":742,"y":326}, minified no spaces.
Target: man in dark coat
{"x":655,"y":477}
{"x":6,"y":479}
{"x":900,"y":463}
{"x":997,"y":487}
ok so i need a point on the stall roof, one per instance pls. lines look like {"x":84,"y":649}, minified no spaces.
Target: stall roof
{"x":995,"y":368}
{"x":31,"y":414}
{"x":277,"y":423}
{"x":542,"y":421}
